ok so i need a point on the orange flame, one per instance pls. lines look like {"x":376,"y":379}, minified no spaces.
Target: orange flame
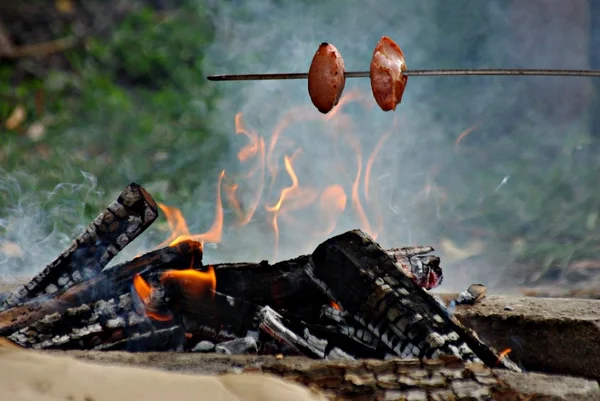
{"x":144,"y":292}
{"x":195,"y":283}
{"x":176,"y":223}
{"x":371,"y":160}
{"x":257,"y":185}
{"x":252,"y":148}
{"x":256,"y":148}
{"x":360,"y":211}
{"x":335,"y":306}
{"x":142,"y":288}
{"x":332,"y":205}
{"x":464,"y":134}
{"x":503,"y":355}
{"x":275,"y":209}
{"x":179,"y":228}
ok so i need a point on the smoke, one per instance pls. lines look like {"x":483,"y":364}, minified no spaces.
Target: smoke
{"x":426,"y":183}
{"x":430,"y":191}
{"x":37,"y":225}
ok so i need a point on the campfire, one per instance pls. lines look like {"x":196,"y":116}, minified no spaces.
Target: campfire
{"x":348,"y":299}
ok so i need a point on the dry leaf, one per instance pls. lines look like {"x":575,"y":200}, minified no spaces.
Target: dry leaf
{"x":64,"y":6}
{"x":585,"y":264}
{"x":43,"y":150}
{"x":36,"y":131}
{"x":456,"y":254}
{"x":16,"y":118}
{"x":11,"y":249}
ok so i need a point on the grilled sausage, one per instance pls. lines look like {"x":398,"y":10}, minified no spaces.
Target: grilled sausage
{"x":387,"y":81}
{"x":326,"y":79}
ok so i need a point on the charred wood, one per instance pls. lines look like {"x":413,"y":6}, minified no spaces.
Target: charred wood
{"x":124,"y":219}
{"x":304,"y":343}
{"x":364,"y":343}
{"x":212,"y":318}
{"x":70,"y":319}
{"x":105,"y":324}
{"x":111,"y":283}
{"x":165,"y":339}
{"x":366,"y":282}
{"x":284,"y":286}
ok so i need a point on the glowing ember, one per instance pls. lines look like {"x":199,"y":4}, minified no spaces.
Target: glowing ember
{"x":335,"y":306}
{"x":502,"y":355}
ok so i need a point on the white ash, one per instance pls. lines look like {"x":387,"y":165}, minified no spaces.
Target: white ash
{"x":116,"y":322}
{"x":239,"y":346}
{"x":204,"y":346}
{"x":106,"y":308}
{"x":51,"y":289}
{"x":125,"y":301}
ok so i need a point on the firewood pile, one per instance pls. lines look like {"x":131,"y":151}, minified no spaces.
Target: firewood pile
{"x":366,"y":312}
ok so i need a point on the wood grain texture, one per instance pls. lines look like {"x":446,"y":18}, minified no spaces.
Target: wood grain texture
{"x":123,"y":220}
{"x":365,"y":281}
{"x":408,"y":379}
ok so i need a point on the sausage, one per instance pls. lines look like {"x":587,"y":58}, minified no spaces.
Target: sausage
{"x":326,"y":79}
{"x":387,"y":81}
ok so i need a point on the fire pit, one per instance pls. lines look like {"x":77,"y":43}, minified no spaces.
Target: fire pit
{"x":349,"y":317}
{"x":364,"y":312}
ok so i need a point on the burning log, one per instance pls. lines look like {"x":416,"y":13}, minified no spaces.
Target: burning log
{"x":243,"y":288}
{"x":111,"y":324}
{"x":110,"y":283}
{"x":282,"y":285}
{"x":408,"y":379}
{"x":357,"y":274}
{"x":178,"y":295}
{"x":124,"y":219}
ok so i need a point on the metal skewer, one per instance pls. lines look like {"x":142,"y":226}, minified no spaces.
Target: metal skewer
{"x":417,"y":73}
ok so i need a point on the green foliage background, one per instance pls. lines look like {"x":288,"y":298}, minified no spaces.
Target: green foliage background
{"x":134,"y":105}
